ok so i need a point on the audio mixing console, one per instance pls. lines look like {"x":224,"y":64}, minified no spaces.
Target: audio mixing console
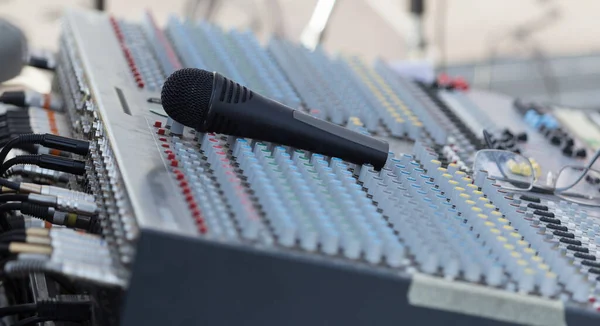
{"x":211,"y":229}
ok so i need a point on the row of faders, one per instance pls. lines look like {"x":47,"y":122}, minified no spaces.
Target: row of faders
{"x":460,"y":233}
{"x":413,"y":215}
{"x":237,"y":55}
{"x":227,"y":230}
{"x":333,"y":89}
{"x":523,"y":235}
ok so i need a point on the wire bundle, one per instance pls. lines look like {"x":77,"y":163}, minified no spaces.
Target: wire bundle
{"x":31,"y":248}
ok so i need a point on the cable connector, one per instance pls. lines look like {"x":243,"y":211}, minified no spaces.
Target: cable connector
{"x":62,"y":164}
{"x":75,"y":221}
{"x":77,"y":200}
{"x":75,"y":146}
{"x":67,"y":194}
{"x":30,"y":188}
{"x":30,"y":98}
{"x":54,"y":216}
{"x":16,"y":98}
{"x":46,"y":161}
{"x":36,"y":172}
{"x":76,"y":206}
{"x":64,"y":204}
{"x":66,"y":307}
{"x":66,"y":144}
{"x":42,"y":199}
{"x":42,"y":212}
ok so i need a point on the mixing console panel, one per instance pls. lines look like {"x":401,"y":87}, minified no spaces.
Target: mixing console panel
{"x":212,"y":228}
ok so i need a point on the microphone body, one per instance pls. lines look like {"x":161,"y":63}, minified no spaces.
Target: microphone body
{"x":13,"y":50}
{"x":235,"y":110}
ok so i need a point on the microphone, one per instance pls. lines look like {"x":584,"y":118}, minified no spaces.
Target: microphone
{"x":210,"y":102}
{"x":13,"y":51}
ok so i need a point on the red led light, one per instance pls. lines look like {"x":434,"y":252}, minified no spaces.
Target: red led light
{"x":196,"y":214}
{"x":171,"y":156}
{"x":157,"y":124}
{"x":160,"y":131}
{"x":174,"y":163}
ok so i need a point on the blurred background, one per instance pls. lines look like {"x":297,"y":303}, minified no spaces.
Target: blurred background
{"x":544,"y":50}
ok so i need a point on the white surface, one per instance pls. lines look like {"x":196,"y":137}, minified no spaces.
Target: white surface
{"x":355,"y":27}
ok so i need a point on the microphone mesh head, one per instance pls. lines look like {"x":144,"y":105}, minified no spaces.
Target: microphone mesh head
{"x":186,"y":96}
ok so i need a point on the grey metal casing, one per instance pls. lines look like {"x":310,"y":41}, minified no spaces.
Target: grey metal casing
{"x":190,"y":281}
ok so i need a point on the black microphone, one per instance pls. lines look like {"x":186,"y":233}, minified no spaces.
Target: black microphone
{"x":13,"y":50}
{"x":209,"y":102}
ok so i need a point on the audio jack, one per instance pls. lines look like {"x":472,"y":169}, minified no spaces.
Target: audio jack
{"x":66,"y":144}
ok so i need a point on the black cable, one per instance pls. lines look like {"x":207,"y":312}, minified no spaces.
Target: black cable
{"x":40,"y":62}
{"x":9,"y":184}
{"x":14,"y":238}
{"x":11,"y":233}
{"x":13,"y":197}
{"x":3,"y":221}
{"x":57,"y":163}
{"x":9,"y":173}
{"x":31,"y":321}
{"x":23,"y":139}
{"x":16,"y":98}
{"x":70,"y":145}
{"x":13,"y":310}
{"x":63,"y":281}
{"x":5,"y":208}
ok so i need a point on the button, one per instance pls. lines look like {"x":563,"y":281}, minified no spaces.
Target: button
{"x":578,"y":249}
{"x":570,"y":241}
{"x":530,"y":199}
{"x":584,"y":256}
{"x":581,"y":153}
{"x":543,"y":213}
{"x":550,"y":220}
{"x":557,"y":227}
{"x":564,"y":234}
{"x":537,"y":207}
{"x":506,"y":134}
{"x":157,"y":124}
{"x":590,"y":263}
{"x":568,"y":151}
